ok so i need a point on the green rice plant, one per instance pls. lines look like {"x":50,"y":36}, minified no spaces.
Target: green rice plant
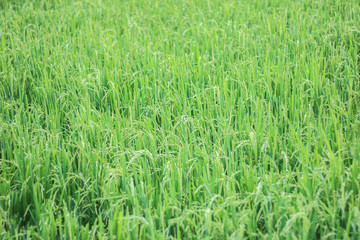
{"x":179,"y":119}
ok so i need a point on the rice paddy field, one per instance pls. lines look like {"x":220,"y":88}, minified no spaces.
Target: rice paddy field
{"x":179,"y":119}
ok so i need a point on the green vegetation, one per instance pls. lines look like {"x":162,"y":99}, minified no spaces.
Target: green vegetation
{"x":185,"y":119}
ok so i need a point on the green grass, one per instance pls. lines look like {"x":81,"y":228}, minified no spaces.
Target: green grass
{"x":188,"y":119}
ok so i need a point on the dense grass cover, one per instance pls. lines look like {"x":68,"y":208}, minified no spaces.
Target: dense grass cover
{"x":180,"y":119}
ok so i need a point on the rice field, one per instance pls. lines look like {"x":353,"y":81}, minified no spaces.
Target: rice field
{"x":179,"y":119}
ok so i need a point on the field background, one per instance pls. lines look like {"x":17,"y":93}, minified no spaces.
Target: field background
{"x":180,"y":119}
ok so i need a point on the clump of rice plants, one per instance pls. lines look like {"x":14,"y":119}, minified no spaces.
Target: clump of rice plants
{"x":179,"y":119}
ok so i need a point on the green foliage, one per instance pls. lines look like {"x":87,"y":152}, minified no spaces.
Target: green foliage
{"x":185,"y":119}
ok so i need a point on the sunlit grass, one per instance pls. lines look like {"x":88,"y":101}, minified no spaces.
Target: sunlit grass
{"x":179,"y":119}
